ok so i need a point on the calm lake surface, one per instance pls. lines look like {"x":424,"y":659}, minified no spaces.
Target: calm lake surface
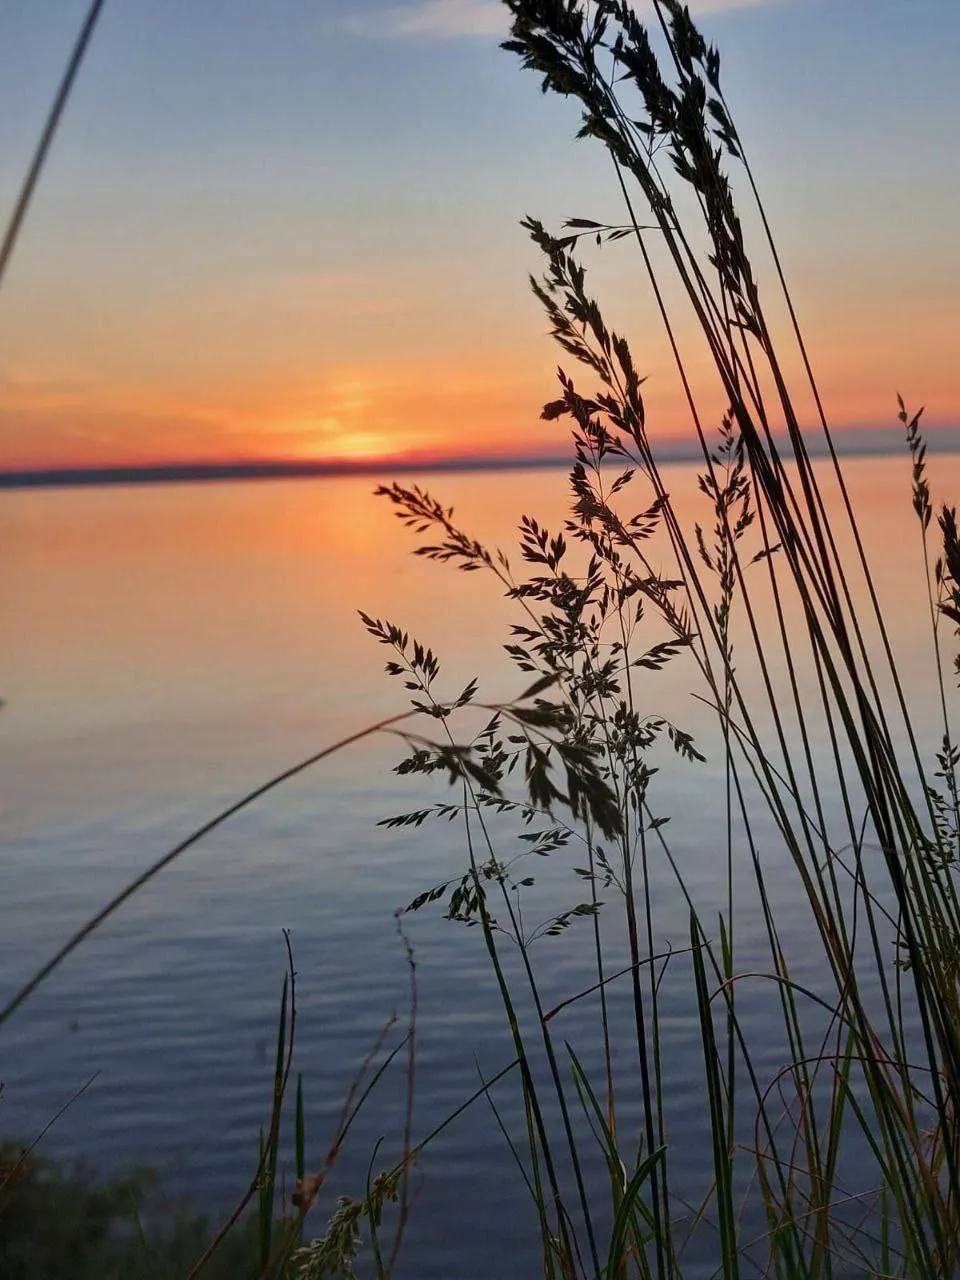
{"x":165,"y":650}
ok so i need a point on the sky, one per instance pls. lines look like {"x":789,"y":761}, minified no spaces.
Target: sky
{"x":291,"y":230}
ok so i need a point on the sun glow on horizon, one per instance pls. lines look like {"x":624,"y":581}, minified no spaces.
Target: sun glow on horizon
{"x":349,"y":446}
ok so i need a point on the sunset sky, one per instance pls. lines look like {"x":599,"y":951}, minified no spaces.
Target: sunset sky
{"x":290,"y":229}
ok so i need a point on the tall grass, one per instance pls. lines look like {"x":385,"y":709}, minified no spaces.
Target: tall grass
{"x":845,"y":1158}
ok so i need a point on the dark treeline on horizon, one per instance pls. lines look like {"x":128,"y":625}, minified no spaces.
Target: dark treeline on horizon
{"x":862,"y":443}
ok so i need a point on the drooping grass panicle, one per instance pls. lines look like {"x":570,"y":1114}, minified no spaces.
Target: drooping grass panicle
{"x":820,"y":734}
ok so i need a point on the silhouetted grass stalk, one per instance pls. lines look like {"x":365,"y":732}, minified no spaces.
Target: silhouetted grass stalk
{"x":830,"y":692}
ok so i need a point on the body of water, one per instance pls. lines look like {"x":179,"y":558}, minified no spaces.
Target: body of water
{"x":168,"y":648}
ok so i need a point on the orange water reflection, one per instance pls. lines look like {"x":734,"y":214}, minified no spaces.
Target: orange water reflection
{"x":195,"y":638}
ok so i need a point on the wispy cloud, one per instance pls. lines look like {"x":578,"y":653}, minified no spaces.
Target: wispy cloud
{"x":433,"y":19}
{"x":716,"y":6}
{"x":446,"y":19}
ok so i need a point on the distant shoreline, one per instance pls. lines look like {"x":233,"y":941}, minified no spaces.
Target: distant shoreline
{"x":850,"y":443}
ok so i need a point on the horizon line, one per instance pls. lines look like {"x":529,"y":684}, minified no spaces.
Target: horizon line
{"x":869,"y":442}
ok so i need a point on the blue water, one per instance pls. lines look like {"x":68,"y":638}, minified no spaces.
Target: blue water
{"x":167,"y":650}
